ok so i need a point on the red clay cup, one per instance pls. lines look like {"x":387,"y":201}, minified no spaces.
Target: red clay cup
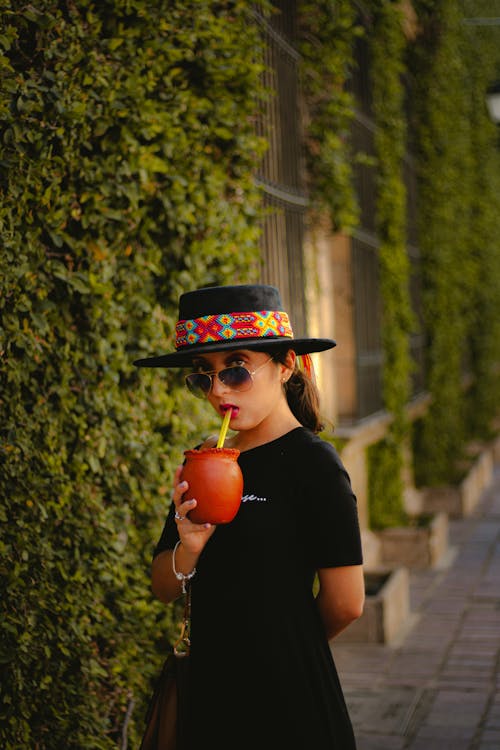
{"x":215,"y":481}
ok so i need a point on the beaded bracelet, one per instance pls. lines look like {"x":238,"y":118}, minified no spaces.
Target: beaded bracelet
{"x":180,"y":576}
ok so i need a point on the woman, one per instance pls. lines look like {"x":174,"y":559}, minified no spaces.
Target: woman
{"x":273,"y":586}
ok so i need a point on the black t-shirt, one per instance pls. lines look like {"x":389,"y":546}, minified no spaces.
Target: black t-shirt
{"x":262,"y":673}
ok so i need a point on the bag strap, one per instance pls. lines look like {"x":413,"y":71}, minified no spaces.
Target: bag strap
{"x":183,"y":642}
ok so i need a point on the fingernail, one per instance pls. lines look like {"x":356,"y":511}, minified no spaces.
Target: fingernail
{"x":190,"y":502}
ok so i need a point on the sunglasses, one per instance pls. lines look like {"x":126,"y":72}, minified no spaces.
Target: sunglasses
{"x":237,"y":377}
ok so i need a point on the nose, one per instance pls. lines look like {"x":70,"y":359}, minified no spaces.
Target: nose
{"x":218,"y":386}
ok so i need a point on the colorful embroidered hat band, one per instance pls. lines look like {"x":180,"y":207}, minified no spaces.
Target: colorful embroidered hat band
{"x":228,"y":326}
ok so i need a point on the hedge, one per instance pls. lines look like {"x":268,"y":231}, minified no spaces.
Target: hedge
{"x":458,"y":158}
{"x":126,"y":177}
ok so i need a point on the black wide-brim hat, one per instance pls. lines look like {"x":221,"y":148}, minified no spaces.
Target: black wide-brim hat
{"x":221,"y":318}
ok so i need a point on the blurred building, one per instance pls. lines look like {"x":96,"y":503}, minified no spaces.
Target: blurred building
{"x":330,"y":282}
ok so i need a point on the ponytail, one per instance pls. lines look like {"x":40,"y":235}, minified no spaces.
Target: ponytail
{"x":302,"y":396}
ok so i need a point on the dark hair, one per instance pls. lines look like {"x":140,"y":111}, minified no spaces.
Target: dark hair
{"x":302,"y":396}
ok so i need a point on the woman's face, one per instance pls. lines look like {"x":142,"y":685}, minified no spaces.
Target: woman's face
{"x":262,"y":398}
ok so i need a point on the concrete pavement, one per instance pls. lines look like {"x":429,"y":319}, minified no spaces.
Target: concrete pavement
{"x":438,"y":686}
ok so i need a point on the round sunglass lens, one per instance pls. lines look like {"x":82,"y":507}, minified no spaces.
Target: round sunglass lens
{"x":198,"y":383}
{"x":235,"y":377}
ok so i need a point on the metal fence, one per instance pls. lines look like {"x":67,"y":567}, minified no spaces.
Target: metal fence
{"x":365,"y":253}
{"x":280,"y":173}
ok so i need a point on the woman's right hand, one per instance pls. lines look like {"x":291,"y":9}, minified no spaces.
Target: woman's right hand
{"x":193,"y":536}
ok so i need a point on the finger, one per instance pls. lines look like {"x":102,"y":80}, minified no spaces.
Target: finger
{"x":177,"y":476}
{"x":182,"y":509}
{"x":178,"y":491}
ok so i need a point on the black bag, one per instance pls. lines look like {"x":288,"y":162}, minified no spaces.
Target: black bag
{"x":166,"y":715}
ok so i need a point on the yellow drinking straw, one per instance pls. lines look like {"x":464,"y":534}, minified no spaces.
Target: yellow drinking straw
{"x":223,"y":429}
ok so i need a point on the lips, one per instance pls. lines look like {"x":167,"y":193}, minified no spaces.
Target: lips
{"x":225,"y":407}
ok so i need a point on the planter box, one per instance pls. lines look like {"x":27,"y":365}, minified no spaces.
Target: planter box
{"x":387,"y":607}
{"x":416,"y":547}
{"x":460,"y":500}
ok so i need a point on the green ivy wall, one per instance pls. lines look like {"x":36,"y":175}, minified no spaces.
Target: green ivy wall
{"x":459,"y":184}
{"x":127,"y":148}
{"x":386,"y":458}
{"x":441,"y":116}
